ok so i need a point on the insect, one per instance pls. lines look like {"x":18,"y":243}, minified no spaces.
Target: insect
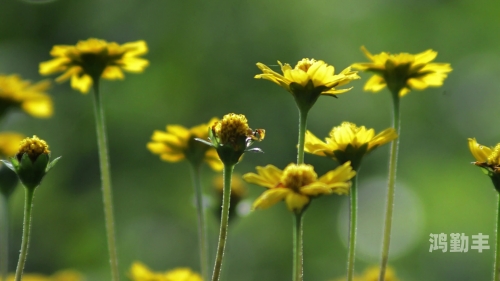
{"x":258,"y":134}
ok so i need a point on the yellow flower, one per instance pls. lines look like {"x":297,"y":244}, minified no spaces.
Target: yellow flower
{"x":139,"y":272}
{"x":94,"y":58}
{"x":298,"y":184}
{"x":486,"y":157}
{"x":178,"y":143}
{"x":30,"y":97}
{"x":32,"y":161}
{"x":9,"y":144}
{"x":232,"y":137}
{"x":308,"y":80}
{"x":63,"y":275}
{"x":348,"y":142}
{"x":403,"y":71}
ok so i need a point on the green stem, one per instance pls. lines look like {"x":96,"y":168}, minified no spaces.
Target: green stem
{"x":228,"y":171}
{"x":4,"y":237}
{"x":389,"y":208}
{"x":202,"y":229}
{"x":352,"y":228}
{"x":106,"y":181}
{"x":302,"y":135}
{"x":298,"y":261}
{"x":28,"y":205}
{"x":496,"y":270}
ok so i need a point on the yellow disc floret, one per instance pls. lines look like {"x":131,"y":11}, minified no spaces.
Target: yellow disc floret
{"x":34,"y":147}
{"x":231,"y":128}
{"x":305,"y":64}
{"x":297,"y":176}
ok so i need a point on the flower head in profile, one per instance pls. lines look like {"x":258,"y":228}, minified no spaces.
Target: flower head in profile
{"x":348,"y":142}
{"x":308,"y":80}
{"x":298,"y":184}
{"x":31,"y":163}
{"x":178,"y":143}
{"x":403,"y":71}
{"x":139,"y":272}
{"x":16,"y":92}
{"x":488,"y":158}
{"x":93,"y":58}
{"x":232,"y":137}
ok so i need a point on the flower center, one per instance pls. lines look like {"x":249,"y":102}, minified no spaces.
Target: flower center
{"x":296,"y":176}
{"x":305,"y":64}
{"x":34,"y":147}
{"x":231,"y":128}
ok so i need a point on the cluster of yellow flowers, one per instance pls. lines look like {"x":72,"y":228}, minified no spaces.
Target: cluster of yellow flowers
{"x":221,"y":143}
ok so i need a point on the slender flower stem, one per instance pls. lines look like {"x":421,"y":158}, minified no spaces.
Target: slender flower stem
{"x":202,"y":229}
{"x":106,"y":181}
{"x":4,"y":237}
{"x":297,"y":248}
{"x":389,"y":208}
{"x":228,"y":171}
{"x":28,"y":205}
{"x":496,"y":269}
{"x":352,"y":228}
{"x":302,"y":135}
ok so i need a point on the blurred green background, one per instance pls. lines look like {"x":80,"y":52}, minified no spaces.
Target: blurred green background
{"x":203,"y":56}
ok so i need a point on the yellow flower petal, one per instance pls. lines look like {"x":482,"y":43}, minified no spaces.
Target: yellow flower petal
{"x":315,"y":189}
{"x":9,"y":144}
{"x":480,"y":152}
{"x":268,"y":176}
{"x":112,"y":73}
{"x":30,"y":97}
{"x":295,"y":201}
{"x":81,"y":83}
{"x":375,"y":84}
{"x":41,"y":108}
{"x":53,"y":66}
{"x":316,"y":146}
{"x":270,"y":197}
{"x":179,"y":131}
{"x":213,"y":160}
{"x":342,"y":173}
{"x":174,"y":157}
